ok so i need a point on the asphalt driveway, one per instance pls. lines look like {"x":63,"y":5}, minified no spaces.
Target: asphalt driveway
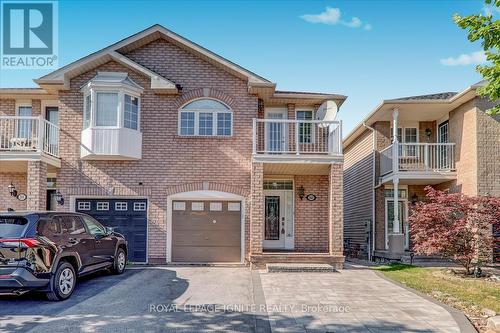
{"x":228,"y":299}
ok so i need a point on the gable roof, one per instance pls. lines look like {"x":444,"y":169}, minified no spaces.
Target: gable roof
{"x":449,"y":100}
{"x":59,"y":79}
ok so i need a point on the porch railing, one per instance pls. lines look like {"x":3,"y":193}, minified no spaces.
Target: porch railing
{"x":24,"y":134}
{"x":427,"y":157}
{"x":297,"y":137}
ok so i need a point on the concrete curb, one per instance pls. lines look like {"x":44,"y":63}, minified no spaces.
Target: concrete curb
{"x":461,"y":319}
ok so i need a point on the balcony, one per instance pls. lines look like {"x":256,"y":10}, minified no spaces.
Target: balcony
{"x":425,"y":161}
{"x":284,"y":140}
{"x":29,"y":138}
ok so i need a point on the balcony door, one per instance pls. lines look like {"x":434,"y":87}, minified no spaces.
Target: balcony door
{"x":443,"y":150}
{"x":51,"y":137}
{"x":275,"y":139}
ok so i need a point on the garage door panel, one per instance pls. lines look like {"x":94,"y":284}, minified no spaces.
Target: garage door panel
{"x":196,"y":238}
{"x":183,"y":238}
{"x":206,"y":254}
{"x":130,"y":223}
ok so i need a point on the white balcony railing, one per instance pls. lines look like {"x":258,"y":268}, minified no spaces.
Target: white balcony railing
{"x":426,"y":157}
{"x":28,"y":134}
{"x":297,"y":137}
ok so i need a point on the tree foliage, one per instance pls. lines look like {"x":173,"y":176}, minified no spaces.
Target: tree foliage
{"x":484,"y":28}
{"x":455,"y":226}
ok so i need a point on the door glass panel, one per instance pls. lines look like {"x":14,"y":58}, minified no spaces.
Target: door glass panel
{"x":390,"y":216}
{"x":275,"y":133}
{"x":443,"y":152}
{"x":272,"y":218}
{"x":52,"y":113}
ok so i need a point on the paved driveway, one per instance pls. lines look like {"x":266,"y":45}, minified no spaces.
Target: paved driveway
{"x":197,"y":299}
{"x":356,"y":300}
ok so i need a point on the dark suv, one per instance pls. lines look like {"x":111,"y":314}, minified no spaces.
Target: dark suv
{"x":48,"y":251}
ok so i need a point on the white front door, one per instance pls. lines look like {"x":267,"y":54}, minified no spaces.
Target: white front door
{"x":278,"y":219}
{"x":276,"y":132}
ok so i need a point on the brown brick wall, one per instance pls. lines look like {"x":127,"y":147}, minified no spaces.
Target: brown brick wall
{"x":6,"y":200}
{"x":167,"y":159}
{"x":422,"y":126}
{"x":336,"y":204}
{"x":488,"y":153}
{"x":7,"y":107}
{"x":462,"y":131}
{"x":36,"y":186}
{"x":257,"y":208}
{"x":311,"y":217}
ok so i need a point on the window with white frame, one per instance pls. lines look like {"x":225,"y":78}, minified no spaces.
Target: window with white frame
{"x":111,"y":99}
{"x":24,"y":125}
{"x":305,"y":129}
{"x":139,"y":206}
{"x":120,"y":206}
{"x":84,"y":205}
{"x":102,"y":205}
{"x":131,"y":114}
{"x":407,"y":135}
{"x":205,"y":117}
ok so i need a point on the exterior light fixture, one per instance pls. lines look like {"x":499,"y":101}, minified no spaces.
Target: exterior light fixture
{"x":59,"y":198}
{"x":414,"y":198}
{"x":12,"y":190}
{"x":301,"y":192}
{"x":428,"y":133}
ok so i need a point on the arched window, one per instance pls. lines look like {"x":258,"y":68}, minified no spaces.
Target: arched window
{"x":205,"y":117}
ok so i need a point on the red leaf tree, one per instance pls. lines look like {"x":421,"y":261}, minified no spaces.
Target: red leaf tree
{"x":455,"y":226}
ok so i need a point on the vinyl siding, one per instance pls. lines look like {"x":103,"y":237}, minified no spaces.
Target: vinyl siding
{"x":358,"y":191}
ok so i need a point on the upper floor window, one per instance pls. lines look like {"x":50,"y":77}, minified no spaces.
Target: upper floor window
{"x":205,"y":117}
{"x":305,"y":129}
{"x":111,"y":99}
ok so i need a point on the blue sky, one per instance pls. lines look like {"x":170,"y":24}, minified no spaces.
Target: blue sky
{"x":368,"y":50}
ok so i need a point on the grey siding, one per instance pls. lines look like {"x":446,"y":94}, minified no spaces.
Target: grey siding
{"x":358,"y":191}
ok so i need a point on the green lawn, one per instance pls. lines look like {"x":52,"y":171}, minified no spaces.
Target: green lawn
{"x":464,"y":293}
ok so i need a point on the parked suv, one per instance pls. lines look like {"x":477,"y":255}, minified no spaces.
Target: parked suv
{"x":48,"y":251}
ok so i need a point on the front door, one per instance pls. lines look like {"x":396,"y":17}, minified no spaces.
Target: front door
{"x":276,"y":132}
{"x":274,"y":221}
{"x":403,"y":223}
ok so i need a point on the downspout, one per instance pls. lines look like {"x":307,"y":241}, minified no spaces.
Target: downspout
{"x":372,"y":238}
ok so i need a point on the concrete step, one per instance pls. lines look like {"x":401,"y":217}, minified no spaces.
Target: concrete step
{"x":299,"y":268}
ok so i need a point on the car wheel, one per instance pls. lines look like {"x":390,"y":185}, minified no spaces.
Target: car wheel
{"x":120,"y":262}
{"x":62,"y":283}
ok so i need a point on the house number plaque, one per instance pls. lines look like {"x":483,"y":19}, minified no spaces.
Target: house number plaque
{"x":311,"y":197}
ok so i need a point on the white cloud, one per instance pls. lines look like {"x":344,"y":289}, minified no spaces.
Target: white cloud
{"x":333,"y":16}
{"x":473,"y":58}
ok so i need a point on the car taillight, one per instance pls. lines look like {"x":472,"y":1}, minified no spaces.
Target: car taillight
{"x":21,"y":242}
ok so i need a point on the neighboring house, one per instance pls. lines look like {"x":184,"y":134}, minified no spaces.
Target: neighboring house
{"x":192,"y":157}
{"x":445,"y":140}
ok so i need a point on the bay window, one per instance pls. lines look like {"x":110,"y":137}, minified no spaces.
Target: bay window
{"x":205,"y":117}
{"x":111,"y":117}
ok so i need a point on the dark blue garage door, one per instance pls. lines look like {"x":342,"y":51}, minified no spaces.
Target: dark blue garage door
{"x":127,"y":216}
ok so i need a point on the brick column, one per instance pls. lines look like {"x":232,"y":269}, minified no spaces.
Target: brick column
{"x":335,"y":217}
{"x":257,"y":208}
{"x":37,"y":185}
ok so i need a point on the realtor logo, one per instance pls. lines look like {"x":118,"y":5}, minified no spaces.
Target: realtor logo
{"x":29,"y":35}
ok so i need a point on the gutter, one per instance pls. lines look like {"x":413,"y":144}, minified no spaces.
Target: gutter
{"x":372,"y":238}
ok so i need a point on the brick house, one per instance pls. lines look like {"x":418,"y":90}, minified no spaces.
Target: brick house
{"x":192,"y":157}
{"x":446,"y":140}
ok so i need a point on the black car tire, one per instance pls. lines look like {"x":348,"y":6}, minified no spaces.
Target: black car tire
{"x":62,"y":283}
{"x":120,"y":262}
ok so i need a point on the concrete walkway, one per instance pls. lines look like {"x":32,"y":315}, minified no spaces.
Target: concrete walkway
{"x":355,"y":300}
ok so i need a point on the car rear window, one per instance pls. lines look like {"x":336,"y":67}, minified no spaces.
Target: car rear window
{"x":12,"y":226}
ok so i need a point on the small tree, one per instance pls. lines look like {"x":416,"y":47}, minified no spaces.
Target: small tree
{"x":455,"y":226}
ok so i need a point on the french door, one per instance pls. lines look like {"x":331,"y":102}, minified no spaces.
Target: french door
{"x":276,"y":140}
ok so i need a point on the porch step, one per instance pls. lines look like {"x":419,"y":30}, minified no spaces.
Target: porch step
{"x":299,"y":268}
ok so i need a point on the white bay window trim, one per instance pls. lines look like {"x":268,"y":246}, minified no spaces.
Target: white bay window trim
{"x":113,"y":140}
{"x":224,"y":109}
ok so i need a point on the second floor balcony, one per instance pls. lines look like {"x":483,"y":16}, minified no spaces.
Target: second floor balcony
{"x":29,"y":138}
{"x":287,"y":139}
{"x":418,"y":160}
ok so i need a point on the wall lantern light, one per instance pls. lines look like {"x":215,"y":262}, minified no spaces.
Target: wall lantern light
{"x":59,"y":198}
{"x":12,"y":190}
{"x":301,"y":192}
{"x":428,"y":133}
{"x":414,"y":198}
